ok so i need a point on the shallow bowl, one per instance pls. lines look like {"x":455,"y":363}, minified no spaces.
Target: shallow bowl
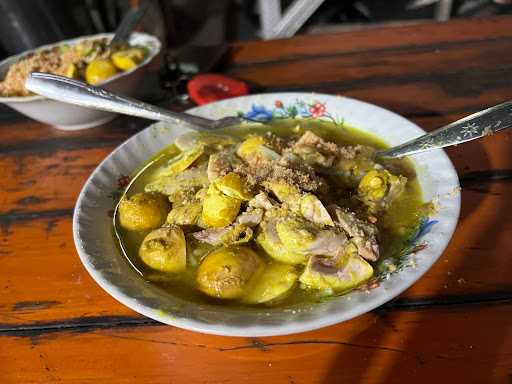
{"x":92,"y":225}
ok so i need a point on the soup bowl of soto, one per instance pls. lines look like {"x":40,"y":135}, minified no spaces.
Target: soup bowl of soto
{"x":283,"y":224}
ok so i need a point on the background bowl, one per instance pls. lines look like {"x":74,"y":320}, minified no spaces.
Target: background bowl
{"x":92,"y":226}
{"x":72,"y":117}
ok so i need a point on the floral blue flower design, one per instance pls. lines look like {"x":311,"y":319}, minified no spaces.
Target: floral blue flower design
{"x":298,"y":109}
{"x":259,"y":113}
{"x":424,"y":228}
{"x":415,"y":243}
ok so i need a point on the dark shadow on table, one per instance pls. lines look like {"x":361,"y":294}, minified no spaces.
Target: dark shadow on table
{"x":417,"y":363}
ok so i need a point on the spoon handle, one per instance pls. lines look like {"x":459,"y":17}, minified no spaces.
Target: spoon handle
{"x":129,"y":23}
{"x":76,"y":92}
{"x":472,"y":127}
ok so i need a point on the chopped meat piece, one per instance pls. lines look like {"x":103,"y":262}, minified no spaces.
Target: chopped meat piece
{"x":314,"y":150}
{"x":328,"y":243}
{"x":354,"y":162}
{"x":234,"y":234}
{"x":309,"y":139}
{"x":313,"y":210}
{"x":362,"y":234}
{"x":261,"y":200}
{"x":251,"y":218}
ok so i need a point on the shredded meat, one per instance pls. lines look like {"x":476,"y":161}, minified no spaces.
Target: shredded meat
{"x":362,"y":234}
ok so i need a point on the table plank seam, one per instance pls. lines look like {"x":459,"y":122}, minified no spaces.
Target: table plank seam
{"x":494,"y":77}
{"x":89,"y":324}
{"x":411,"y":48}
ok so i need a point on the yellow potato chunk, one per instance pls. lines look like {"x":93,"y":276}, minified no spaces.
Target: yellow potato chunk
{"x":269,"y":240}
{"x":295,"y":235}
{"x":143,"y":211}
{"x":250,"y":147}
{"x":128,"y":58}
{"x":219,"y":210}
{"x":164,"y":249}
{"x":286,"y":193}
{"x":275,"y":283}
{"x":184,"y":160}
{"x":188,"y":214}
{"x":379,"y":188}
{"x":232,"y":185}
{"x":99,"y":70}
{"x":254,"y":148}
{"x":227,"y":272}
{"x":71,"y":71}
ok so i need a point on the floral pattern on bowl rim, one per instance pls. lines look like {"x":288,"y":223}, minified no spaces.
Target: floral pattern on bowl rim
{"x":299,"y":108}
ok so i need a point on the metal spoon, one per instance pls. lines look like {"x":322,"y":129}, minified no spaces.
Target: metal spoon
{"x":76,"y":92}
{"x":129,"y":23}
{"x":475,"y":126}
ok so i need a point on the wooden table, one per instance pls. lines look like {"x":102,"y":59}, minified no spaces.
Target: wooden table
{"x":454,"y":325}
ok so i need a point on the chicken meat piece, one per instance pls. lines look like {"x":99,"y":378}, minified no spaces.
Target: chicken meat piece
{"x":314,"y":150}
{"x":362,"y":234}
{"x":251,"y":217}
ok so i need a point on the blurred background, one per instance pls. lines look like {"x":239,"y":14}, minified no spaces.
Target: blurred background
{"x":196,"y":34}
{"x":26,"y":24}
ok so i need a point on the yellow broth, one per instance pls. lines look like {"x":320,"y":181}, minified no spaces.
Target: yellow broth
{"x":396,"y":226}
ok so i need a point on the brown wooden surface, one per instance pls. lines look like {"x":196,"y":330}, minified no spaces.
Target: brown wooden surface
{"x":454,"y":324}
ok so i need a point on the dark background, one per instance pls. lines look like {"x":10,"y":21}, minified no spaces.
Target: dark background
{"x":26,"y":24}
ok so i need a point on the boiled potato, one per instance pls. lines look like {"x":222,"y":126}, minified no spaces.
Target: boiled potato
{"x":164,"y":249}
{"x":187,"y":214}
{"x":228,"y":271}
{"x":296,"y":235}
{"x":274,"y":284}
{"x":269,"y":240}
{"x":143,"y":211}
{"x":232,"y":185}
{"x":254,"y":148}
{"x":99,"y":70}
{"x":379,"y":188}
{"x":127,"y":59}
{"x":219,"y":210}
{"x":183,"y":160}
{"x":250,"y":147}
{"x":286,"y":193}
{"x":71,"y":71}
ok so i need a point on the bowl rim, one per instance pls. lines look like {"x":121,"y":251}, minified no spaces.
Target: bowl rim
{"x":277,"y":330}
{"x":154,"y":48}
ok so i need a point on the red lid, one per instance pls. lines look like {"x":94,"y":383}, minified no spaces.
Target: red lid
{"x":206,"y":88}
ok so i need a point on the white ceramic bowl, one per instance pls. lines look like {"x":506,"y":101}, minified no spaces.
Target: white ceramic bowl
{"x":92,"y":227}
{"x":71,"y":117}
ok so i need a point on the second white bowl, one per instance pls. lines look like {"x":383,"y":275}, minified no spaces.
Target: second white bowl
{"x":71,"y":117}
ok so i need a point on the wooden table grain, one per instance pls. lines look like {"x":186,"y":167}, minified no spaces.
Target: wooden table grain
{"x":453,"y":325}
